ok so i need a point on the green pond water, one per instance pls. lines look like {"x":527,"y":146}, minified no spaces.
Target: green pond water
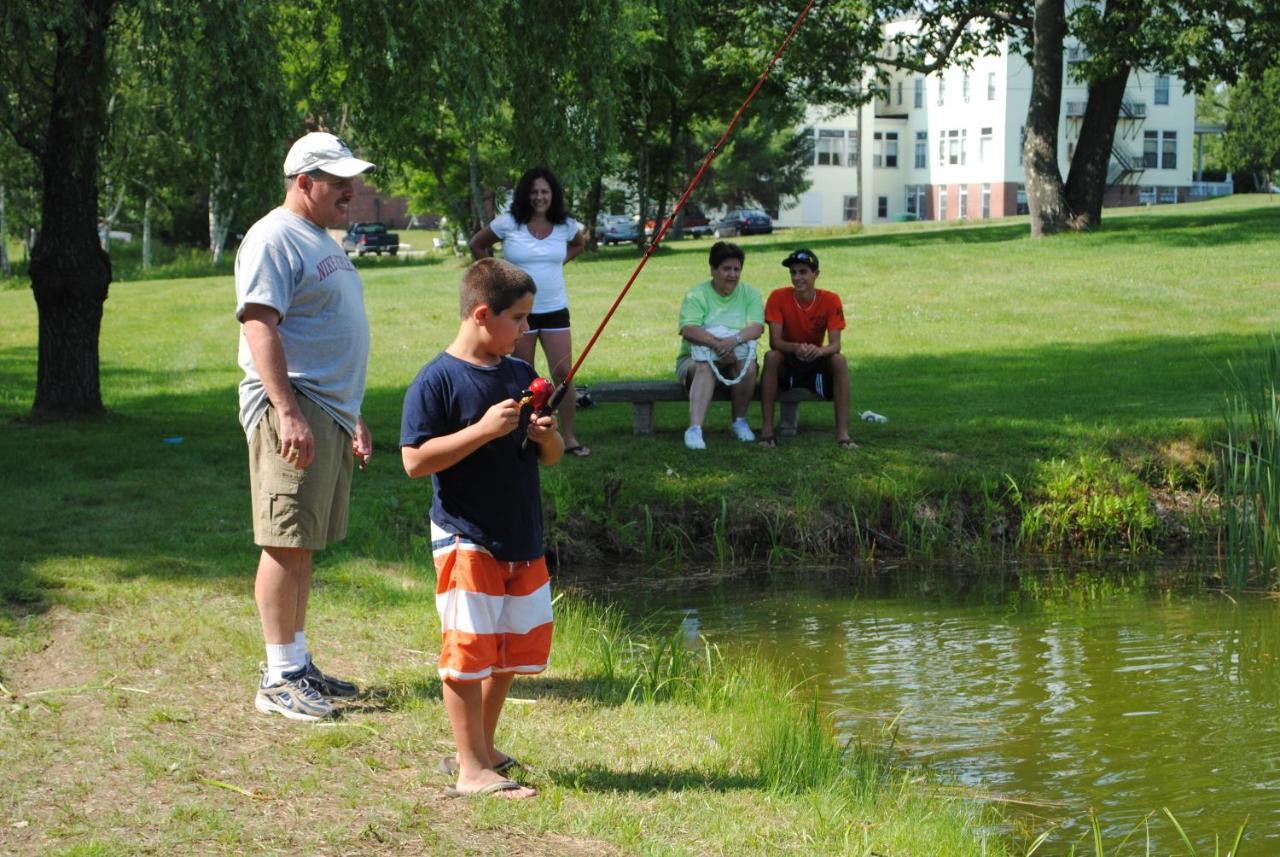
{"x":1120,"y":692}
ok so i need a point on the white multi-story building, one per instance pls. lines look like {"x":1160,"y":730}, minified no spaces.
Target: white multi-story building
{"x":948,"y":146}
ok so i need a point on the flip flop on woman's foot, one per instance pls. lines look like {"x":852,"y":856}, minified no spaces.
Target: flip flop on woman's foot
{"x":449,"y":765}
{"x":847,"y":443}
{"x":506,"y":789}
{"x":767,"y":441}
{"x":578,"y":450}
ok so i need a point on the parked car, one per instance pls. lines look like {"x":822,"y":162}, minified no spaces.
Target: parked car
{"x":370,"y":237}
{"x":743,"y":221}
{"x":616,"y":229}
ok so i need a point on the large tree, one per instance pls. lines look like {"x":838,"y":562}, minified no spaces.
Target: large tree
{"x":1198,"y":42}
{"x":1251,"y":144}
{"x":54,"y":59}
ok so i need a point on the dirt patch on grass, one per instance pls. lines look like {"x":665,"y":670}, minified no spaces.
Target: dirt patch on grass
{"x":162,"y":752}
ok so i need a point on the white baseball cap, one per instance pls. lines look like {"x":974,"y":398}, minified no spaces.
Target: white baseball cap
{"x":320,"y":150}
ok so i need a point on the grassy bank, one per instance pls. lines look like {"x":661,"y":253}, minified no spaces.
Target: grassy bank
{"x":1040,"y":394}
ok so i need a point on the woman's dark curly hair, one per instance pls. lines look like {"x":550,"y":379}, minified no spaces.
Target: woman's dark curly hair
{"x":522,"y":209}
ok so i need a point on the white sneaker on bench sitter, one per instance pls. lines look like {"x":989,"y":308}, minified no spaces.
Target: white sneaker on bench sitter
{"x":742,"y":431}
{"x":693,"y":438}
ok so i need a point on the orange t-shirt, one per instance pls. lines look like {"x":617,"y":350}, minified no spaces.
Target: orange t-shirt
{"x":804,"y":323}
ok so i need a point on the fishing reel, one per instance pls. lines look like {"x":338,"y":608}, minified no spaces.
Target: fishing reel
{"x":537,"y":395}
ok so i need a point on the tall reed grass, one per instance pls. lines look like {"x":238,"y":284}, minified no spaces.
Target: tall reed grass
{"x":1249,"y":470}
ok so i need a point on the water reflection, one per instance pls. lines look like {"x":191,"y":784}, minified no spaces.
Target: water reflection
{"x":1123,"y":696}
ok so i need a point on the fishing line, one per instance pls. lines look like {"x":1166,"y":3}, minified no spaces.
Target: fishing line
{"x":661,"y":233}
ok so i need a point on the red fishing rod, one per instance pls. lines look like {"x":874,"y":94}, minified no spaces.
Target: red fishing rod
{"x":558,"y":395}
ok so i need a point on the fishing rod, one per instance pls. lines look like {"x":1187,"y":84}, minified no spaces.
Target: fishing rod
{"x":556,"y":397}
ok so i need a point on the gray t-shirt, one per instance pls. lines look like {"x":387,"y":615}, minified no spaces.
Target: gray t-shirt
{"x":288,"y":263}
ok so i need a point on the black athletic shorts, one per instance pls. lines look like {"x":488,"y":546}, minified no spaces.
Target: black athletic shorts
{"x":556,"y":320}
{"x":814,"y":375}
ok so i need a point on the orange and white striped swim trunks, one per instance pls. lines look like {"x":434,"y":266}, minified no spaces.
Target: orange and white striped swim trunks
{"x":495,"y":616}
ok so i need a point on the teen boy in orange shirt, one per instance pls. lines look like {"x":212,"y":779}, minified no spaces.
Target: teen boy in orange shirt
{"x":464,"y":425}
{"x":799,"y":318}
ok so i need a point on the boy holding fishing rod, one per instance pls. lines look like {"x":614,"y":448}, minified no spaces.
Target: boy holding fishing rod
{"x":466,"y":416}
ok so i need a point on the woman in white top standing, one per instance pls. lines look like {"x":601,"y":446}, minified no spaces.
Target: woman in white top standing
{"x":540,"y":238}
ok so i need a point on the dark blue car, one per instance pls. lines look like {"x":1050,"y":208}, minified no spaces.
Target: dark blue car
{"x":743,"y":221}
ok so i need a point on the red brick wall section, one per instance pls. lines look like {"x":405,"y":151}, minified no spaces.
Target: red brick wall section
{"x":368,"y":204}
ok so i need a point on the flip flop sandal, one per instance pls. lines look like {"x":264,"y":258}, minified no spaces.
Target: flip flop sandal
{"x":580,"y":451}
{"x":491,"y":789}
{"x":449,"y":765}
{"x":847,"y":443}
{"x":768,"y":441}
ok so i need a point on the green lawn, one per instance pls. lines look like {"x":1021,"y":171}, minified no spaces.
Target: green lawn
{"x":1008,"y":368}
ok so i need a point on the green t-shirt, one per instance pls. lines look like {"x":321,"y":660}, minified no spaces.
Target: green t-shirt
{"x":703,"y":306}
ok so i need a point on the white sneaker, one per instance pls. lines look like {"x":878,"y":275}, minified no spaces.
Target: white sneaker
{"x":742,"y":431}
{"x":693,"y":438}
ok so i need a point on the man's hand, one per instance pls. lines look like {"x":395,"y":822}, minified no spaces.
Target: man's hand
{"x":362,"y":443}
{"x":501,"y":419}
{"x":807,"y":352}
{"x":297,"y":444}
{"x":542,"y":429}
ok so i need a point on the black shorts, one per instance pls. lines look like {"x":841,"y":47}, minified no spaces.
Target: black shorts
{"x":814,"y":375}
{"x":552,"y":322}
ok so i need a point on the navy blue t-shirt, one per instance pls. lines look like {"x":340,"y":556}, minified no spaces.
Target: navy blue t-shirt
{"x":493,"y":496}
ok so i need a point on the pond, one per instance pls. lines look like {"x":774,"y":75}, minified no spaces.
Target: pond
{"x":1122,"y":692}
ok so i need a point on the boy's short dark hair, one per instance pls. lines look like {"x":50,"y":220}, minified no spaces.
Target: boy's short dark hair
{"x":722,"y":250}
{"x":495,"y":282}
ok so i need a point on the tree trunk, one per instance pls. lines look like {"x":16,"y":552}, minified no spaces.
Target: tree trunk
{"x":4,"y":237}
{"x":1087,"y":181}
{"x":592,"y":213}
{"x":69,"y":272}
{"x":1046,"y":195}
{"x":473,"y":174}
{"x":146,"y":234}
{"x":221,"y":208}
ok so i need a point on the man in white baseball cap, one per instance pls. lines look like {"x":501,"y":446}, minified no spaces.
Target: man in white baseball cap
{"x":321,"y":150}
{"x":304,"y":349}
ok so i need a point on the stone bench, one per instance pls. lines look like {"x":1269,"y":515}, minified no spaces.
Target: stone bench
{"x":643,"y":394}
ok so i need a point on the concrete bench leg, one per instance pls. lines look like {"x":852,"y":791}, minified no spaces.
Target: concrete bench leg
{"x":642,"y":417}
{"x":790,"y":418}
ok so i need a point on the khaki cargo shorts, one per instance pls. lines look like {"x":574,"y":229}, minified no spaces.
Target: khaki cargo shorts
{"x":292,"y":507}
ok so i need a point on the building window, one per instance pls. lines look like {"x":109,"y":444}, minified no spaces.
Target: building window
{"x":942,"y":148}
{"x":890,"y":149}
{"x":919,"y":91}
{"x":922,"y":151}
{"x":964,"y":201}
{"x":942,"y":202}
{"x":1162,"y":89}
{"x":1021,"y":200}
{"x":830,"y":147}
{"x":1160,"y":150}
{"x":882,"y":207}
{"x":964,"y":87}
{"x":991,"y":86}
{"x":984,"y":145}
{"x":850,"y":208}
{"x":899,"y":93}
{"x":1169,"y":154}
{"x":953,"y":147}
{"x":942,"y":89}
{"x":986,"y":201}
{"x":911,"y":201}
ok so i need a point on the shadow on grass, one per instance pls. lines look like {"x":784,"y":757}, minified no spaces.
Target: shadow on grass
{"x":594,"y":778}
{"x":1190,"y":226}
{"x":159,"y":486}
{"x":407,"y":693}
